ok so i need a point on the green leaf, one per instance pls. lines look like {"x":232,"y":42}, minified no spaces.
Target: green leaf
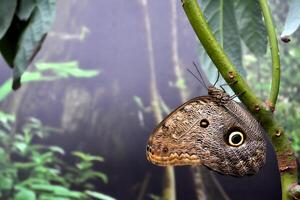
{"x":7,"y":10}
{"x":220,"y":15}
{"x":7,"y":120}
{"x":84,"y":165}
{"x":58,"y":190}
{"x":25,"y":195}
{"x":92,"y":175}
{"x":87,"y":157}
{"x":22,"y":147}
{"x":251,"y":26}
{"x":52,"y":197}
{"x":32,"y":37}
{"x":59,"y":70}
{"x":25,"y":9}
{"x":57,"y":149}
{"x":6,"y":183}
{"x":3,"y":155}
{"x":293,"y":19}
{"x":24,"y":165}
{"x":67,"y":69}
{"x":99,"y":195}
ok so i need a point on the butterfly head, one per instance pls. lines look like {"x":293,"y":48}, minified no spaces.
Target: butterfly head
{"x":218,"y":94}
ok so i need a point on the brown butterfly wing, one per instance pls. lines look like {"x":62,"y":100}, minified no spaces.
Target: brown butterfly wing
{"x":196,"y":133}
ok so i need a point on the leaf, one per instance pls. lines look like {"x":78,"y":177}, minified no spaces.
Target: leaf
{"x":99,"y":195}
{"x":251,"y":26}
{"x":293,"y":19}
{"x":7,"y":10}
{"x":58,"y":190}
{"x":33,"y":35}
{"x":92,"y":175}
{"x":25,"y":9}
{"x":6,"y":183}
{"x":57,"y":149}
{"x":67,"y":69}
{"x":220,"y":15}
{"x":59,"y":70}
{"x":24,"y":165}
{"x":25,"y":195}
{"x":52,"y":197}
{"x":22,"y":147}
{"x":84,"y":165}
{"x":8,"y":43}
{"x":87,"y":157}
{"x":3,"y":155}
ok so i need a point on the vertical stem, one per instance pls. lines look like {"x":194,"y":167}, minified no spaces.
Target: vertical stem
{"x":274,"y":53}
{"x":169,"y":191}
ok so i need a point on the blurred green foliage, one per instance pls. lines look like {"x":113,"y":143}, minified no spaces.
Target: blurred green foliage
{"x":288,"y":105}
{"x":30,"y":171}
{"x":50,"y":72}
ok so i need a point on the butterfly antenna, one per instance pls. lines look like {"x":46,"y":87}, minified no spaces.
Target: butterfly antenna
{"x":217,"y":79}
{"x":195,"y":76}
{"x":203,"y":82}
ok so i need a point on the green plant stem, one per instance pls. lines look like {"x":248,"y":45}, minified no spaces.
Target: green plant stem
{"x":285,"y":155}
{"x":274,"y":52}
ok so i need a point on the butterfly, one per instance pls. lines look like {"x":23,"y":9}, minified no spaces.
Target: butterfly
{"x":212,"y":130}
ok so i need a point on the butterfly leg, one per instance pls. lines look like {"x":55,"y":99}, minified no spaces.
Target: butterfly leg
{"x":237,"y":95}
{"x":229,"y":84}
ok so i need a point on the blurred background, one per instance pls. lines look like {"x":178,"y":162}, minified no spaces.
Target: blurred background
{"x":81,"y":120}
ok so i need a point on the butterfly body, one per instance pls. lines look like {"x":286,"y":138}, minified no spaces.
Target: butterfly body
{"x":213,"y":131}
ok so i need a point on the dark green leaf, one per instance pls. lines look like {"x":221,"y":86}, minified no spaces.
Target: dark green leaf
{"x":25,"y":9}
{"x":32,"y":37}
{"x":251,"y":27}
{"x":8,"y":44}
{"x":7,"y":10}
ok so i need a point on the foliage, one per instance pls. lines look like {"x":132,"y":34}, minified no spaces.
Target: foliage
{"x":30,"y":171}
{"x":24,"y":26}
{"x":50,"y":72}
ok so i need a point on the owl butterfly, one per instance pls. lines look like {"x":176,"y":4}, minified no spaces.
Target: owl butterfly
{"x":214,"y":131}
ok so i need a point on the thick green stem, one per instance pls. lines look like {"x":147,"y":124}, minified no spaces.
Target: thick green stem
{"x":274,"y":52}
{"x":285,"y":155}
